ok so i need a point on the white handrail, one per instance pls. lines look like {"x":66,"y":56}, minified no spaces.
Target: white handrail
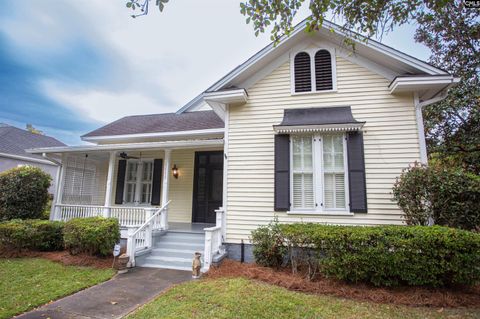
{"x":142,"y":236}
{"x":151,"y":218}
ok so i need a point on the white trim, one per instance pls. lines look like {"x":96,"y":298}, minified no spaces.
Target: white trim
{"x":28,"y":159}
{"x":225,"y":173}
{"x":327,"y":28}
{"x":347,"y":127}
{"x":138,"y":183}
{"x":129,"y":146}
{"x":312,"y":52}
{"x":410,"y":83}
{"x":318,"y":180}
{"x":152,"y":135}
{"x":228,"y":96}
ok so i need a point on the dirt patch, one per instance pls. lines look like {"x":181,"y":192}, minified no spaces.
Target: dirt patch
{"x":63,"y":257}
{"x":411,"y":296}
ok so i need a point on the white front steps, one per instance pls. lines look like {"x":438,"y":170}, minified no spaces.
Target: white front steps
{"x":174,"y":250}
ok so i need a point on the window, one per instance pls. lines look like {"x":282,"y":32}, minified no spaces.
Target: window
{"x":318,"y":173}
{"x":138,"y":182}
{"x":313,"y":71}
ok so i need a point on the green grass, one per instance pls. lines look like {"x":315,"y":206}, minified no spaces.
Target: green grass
{"x":243,"y":298}
{"x":26,"y":283}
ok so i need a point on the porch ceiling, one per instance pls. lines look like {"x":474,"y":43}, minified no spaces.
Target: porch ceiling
{"x":183,"y":144}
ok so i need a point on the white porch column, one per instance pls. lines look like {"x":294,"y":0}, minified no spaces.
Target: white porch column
{"x":57,"y":197}
{"x":108,"y":190}
{"x":165,"y":184}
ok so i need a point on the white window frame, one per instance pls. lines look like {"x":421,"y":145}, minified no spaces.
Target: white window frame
{"x":138,"y":183}
{"x":311,"y":52}
{"x":318,"y":179}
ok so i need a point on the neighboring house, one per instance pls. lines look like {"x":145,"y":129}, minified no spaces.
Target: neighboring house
{"x":14,"y":142}
{"x":306,"y":130}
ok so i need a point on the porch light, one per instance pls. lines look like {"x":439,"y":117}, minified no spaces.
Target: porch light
{"x":175,"y":171}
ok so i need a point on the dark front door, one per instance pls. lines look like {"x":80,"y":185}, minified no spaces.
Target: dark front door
{"x":207,"y":186}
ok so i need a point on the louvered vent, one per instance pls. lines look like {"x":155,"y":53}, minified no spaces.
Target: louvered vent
{"x":323,"y":71}
{"x":303,"y":73}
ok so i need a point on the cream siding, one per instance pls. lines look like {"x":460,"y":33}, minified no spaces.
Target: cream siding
{"x":390,"y":137}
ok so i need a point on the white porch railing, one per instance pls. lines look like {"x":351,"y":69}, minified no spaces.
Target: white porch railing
{"x":127,"y":216}
{"x":141,"y":238}
{"x":214,"y":239}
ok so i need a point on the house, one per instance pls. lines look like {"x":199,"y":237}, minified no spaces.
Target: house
{"x":14,"y":142}
{"x":306,"y":130}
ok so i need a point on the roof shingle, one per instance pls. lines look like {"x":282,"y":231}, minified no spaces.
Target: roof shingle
{"x":160,"y":123}
{"x":15,"y":141}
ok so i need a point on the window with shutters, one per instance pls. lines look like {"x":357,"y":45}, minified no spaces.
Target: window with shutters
{"x":318,"y":171}
{"x":313,"y":70}
{"x":138,"y":182}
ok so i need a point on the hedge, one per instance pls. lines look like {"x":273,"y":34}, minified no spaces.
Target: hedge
{"x":93,"y":235}
{"x":31,"y":234}
{"x":384,"y":255}
{"x":23,"y":193}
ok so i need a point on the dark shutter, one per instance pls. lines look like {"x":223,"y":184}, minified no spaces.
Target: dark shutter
{"x":323,"y":70}
{"x":302,"y":73}
{"x":157,"y":181}
{"x":122,"y":167}
{"x":282,"y":172}
{"x":356,"y":173}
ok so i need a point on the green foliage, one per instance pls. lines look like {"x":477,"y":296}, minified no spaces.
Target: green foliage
{"x":451,"y":197}
{"x":23,"y":193}
{"x":268,"y":248}
{"x":242,"y":298}
{"x":452,"y":126}
{"x":391,"y":255}
{"x":93,"y":235}
{"x":31,"y":234}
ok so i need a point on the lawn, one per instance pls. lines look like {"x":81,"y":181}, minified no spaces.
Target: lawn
{"x":26,"y":283}
{"x":244,"y":298}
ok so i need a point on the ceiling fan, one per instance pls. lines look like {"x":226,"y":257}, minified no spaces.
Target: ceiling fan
{"x":126,"y":156}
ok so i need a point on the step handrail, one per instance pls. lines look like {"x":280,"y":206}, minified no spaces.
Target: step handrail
{"x":161,"y":209}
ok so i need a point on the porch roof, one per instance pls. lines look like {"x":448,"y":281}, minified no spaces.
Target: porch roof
{"x":129,"y":146}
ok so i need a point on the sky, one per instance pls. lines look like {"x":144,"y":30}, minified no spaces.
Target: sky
{"x":68,"y":67}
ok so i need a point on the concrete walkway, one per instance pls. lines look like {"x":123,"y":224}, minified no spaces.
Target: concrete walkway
{"x":114,"y":298}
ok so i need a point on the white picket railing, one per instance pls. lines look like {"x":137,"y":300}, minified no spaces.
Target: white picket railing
{"x":67,"y":212}
{"x":140,"y":238}
{"x":129,"y":216}
{"x":214,"y":239}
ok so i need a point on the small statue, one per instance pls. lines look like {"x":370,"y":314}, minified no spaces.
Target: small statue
{"x":196,"y":265}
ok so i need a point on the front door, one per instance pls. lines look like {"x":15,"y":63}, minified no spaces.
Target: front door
{"x":207,"y":186}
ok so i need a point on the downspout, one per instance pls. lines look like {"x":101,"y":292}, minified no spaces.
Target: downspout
{"x":419,"y":117}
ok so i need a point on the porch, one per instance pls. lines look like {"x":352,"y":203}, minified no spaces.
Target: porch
{"x":153,"y":191}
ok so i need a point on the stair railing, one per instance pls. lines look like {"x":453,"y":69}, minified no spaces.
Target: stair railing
{"x":141,"y":238}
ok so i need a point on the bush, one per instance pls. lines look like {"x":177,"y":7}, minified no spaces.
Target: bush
{"x":382,"y":255}
{"x":93,"y":235}
{"x":31,"y":234}
{"x":448,"y":197}
{"x":23,"y":193}
{"x":268,"y":248}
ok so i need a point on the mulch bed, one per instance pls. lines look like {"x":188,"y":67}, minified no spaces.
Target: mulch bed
{"x":63,"y":257}
{"x":411,"y":296}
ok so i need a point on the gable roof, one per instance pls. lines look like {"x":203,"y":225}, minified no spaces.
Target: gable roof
{"x":159,"y":123}
{"x":402,"y":63}
{"x":15,"y":141}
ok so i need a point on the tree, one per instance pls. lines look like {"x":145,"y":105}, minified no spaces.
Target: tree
{"x":453,"y":125}
{"x":448,"y":27}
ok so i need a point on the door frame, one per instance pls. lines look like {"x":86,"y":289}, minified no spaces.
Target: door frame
{"x":195,"y":178}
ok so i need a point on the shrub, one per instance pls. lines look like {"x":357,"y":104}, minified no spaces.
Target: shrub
{"x":390,"y":255}
{"x":449,"y":197}
{"x":268,"y":248}
{"x":23,"y":193}
{"x":31,"y":234}
{"x":93,"y":235}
